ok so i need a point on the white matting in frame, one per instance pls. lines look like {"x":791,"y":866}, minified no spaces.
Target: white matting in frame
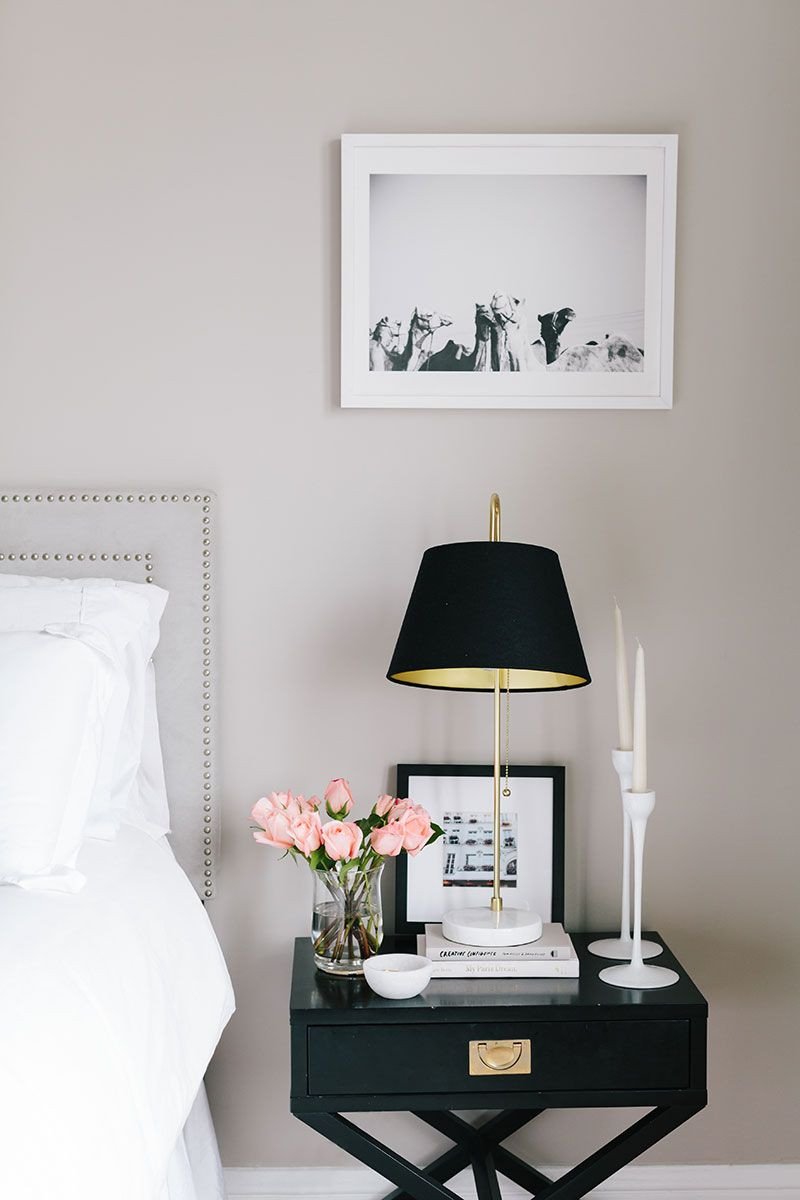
{"x":493,"y":234}
{"x":456,"y":870}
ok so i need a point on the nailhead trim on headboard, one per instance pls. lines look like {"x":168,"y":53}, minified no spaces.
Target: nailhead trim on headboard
{"x":204,"y":501}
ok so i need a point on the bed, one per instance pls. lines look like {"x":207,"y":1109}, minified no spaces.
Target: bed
{"x":113,"y":990}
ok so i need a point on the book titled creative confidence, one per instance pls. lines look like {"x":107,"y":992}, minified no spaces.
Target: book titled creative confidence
{"x":551,"y":957}
{"x":554,"y":943}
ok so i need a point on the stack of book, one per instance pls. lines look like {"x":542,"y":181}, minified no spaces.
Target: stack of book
{"x":551,"y":957}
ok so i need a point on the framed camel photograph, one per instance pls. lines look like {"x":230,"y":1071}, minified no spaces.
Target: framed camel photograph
{"x":508,"y":271}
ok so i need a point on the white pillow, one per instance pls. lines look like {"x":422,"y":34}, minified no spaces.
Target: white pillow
{"x":130,"y":782}
{"x":54,"y":695}
{"x":148,"y":807}
{"x":138,"y":794}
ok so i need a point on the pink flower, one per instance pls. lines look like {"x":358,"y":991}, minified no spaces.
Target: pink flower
{"x":299,"y":806}
{"x":307,"y":832}
{"x":262,"y":809}
{"x":273,"y":803}
{"x":342,"y":839}
{"x":338,"y":798}
{"x":384,"y":805}
{"x":417,"y":829}
{"x":285,"y":802}
{"x":276,"y":831}
{"x":387,"y":840}
{"x":296,"y":805}
{"x":400,"y":807}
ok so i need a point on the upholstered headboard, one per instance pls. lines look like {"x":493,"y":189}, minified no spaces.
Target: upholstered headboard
{"x":162,"y":537}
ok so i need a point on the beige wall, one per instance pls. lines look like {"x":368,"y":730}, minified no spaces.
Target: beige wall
{"x":168,"y":308}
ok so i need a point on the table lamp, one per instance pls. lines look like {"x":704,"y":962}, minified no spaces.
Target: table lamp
{"x":488,"y":617}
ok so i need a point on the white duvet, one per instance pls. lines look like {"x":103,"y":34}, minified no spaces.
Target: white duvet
{"x":111,"y":1004}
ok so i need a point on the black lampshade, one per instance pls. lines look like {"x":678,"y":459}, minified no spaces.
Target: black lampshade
{"x":480,"y":606}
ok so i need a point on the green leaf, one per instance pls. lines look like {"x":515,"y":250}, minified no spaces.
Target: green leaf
{"x":318,"y":860}
{"x":367,"y":824}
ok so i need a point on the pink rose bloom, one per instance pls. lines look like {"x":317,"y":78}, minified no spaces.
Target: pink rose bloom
{"x":307,"y":832}
{"x":387,"y":840}
{"x":274,"y":802}
{"x":338,"y":798}
{"x":282,"y":802}
{"x":277,"y":831}
{"x":416,"y":826}
{"x":342,"y":839}
{"x":384,"y":805}
{"x":400,"y":807}
{"x":297,"y":806}
{"x":294,"y":806}
{"x":262,"y":809}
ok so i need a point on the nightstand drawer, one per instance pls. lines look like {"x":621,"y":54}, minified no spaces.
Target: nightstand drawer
{"x":564,"y":1056}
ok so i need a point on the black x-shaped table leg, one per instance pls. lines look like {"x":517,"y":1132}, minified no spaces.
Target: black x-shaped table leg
{"x":479,"y":1147}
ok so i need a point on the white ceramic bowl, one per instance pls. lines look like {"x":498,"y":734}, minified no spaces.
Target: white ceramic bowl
{"x":398,"y":976}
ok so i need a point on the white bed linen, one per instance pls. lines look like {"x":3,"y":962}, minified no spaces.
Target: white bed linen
{"x":54,"y":697}
{"x":111,"y":1004}
{"x":195,"y":1170}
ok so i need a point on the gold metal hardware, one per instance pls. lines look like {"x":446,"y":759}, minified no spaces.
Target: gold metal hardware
{"x":500,"y":1058}
{"x":496,"y":902}
{"x":507,"y":788}
{"x":494,"y":518}
{"x":497,"y":899}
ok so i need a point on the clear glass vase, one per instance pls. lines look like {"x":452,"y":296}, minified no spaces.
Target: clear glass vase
{"x":347,"y":924}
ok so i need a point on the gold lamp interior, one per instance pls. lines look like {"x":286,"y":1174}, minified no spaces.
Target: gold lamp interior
{"x":483,"y":679}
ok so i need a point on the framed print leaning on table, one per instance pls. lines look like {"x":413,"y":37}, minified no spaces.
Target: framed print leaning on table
{"x":457,"y":870}
{"x":508,"y":271}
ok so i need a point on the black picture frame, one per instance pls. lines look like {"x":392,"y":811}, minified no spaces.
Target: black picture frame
{"x":406,"y":771}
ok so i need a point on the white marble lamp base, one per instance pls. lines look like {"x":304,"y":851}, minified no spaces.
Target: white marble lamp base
{"x":639,"y":975}
{"x":622,"y":948}
{"x":483,"y":927}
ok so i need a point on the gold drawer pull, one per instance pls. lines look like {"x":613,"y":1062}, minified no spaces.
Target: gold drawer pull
{"x":500,"y":1058}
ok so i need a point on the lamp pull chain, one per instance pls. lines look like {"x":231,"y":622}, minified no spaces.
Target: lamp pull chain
{"x":507,"y":789}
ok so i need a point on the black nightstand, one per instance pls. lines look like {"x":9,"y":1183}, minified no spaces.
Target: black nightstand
{"x":578,"y":1043}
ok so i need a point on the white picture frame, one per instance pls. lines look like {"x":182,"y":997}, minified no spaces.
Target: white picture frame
{"x":560,"y":174}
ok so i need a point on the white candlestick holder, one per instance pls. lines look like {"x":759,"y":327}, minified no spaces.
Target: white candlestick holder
{"x":622,"y":947}
{"x":637,"y":973}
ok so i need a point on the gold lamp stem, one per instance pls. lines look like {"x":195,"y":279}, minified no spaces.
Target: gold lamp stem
{"x":497,"y":902}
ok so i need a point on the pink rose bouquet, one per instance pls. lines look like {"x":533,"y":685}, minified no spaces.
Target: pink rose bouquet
{"x":347,"y":859}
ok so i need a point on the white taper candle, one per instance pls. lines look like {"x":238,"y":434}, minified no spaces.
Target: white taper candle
{"x":624,"y":719}
{"x":639,"y":782}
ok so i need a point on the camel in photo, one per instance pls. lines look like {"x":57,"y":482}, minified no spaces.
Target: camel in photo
{"x":539,"y":349}
{"x":456,"y":357}
{"x":552,"y":325}
{"x":616,"y":353}
{"x":417,"y":350}
{"x":512,"y":349}
{"x":384,"y":341}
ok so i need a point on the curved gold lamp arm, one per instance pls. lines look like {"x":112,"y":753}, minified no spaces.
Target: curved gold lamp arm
{"x":494,"y":518}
